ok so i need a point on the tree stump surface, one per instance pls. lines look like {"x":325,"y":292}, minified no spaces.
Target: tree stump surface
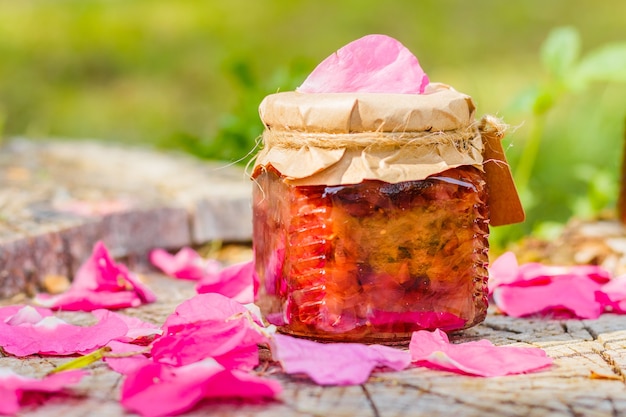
{"x":587,"y":378}
{"x":58,"y":198}
{"x":136,"y":199}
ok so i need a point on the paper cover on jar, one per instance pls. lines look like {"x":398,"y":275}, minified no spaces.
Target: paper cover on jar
{"x":345,"y":138}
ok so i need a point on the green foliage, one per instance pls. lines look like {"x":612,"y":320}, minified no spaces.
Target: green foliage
{"x":190,"y":75}
{"x":567,"y":73}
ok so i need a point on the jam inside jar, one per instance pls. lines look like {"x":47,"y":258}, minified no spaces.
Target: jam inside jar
{"x":372,"y":262}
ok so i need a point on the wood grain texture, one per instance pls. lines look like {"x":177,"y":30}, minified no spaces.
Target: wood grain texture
{"x":136,"y":200}
{"x":587,"y":378}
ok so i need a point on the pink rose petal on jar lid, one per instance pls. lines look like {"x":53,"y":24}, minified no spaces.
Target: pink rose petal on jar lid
{"x":371,"y":64}
{"x":335,"y":363}
{"x":480,"y":358}
{"x":14,"y":388}
{"x":185,"y":264}
{"x":157,"y":389}
{"x":52,"y":336}
{"x":100,"y":283}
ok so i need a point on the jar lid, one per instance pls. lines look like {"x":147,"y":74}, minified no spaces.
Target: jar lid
{"x":345,"y":138}
{"x":441,"y":108}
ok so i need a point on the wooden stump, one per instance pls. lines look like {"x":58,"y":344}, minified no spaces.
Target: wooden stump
{"x":58,"y":198}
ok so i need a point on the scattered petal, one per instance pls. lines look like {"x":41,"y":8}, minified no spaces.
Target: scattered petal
{"x":335,"y":363}
{"x":85,"y":300}
{"x":567,"y":296}
{"x":157,"y":389}
{"x":504,"y":270}
{"x":533,"y":288}
{"x":139,"y":331}
{"x":371,"y":64}
{"x":126,"y":358}
{"x":235,"y":281}
{"x":23,"y":334}
{"x":480,"y":358}
{"x":100,"y":283}
{"x":233,"y":343}
{"x":613,"y":295}
{"x":14,"y":388}
{"x":186,"y":264}
{"x":16,"y":315}
{"x":211,"y":306}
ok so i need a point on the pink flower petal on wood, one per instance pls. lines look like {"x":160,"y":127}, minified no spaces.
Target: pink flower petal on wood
{"x":160,"y":390}
{"x":52,"y":336}
{"x":15,"y":315}
{"x":100,"y":283}
{"x":532,"y":288}
{"x":480,"y":358}
{"x":186,"y":264}
{"x":139,"y":331}
{"x":371,"y":64}
{"x":87,"y":300}
{"x":563,"y":297}
{"x":503,"y":270}
{"x":202,"y":307}
{"x":130,"y":357}
{"x":235,"y":281}
{"x":613,"y":295}
{"x":335,"y":363}
{"x":14,"y":388}
{"x":232,"y":343}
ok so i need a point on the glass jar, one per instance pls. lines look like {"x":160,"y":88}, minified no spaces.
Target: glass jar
{"x":372,"y":261}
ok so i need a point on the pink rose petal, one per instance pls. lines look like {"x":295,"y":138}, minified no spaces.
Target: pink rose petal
{"x":480,"y":358}
{"x":522,"y":290}
{"x":52,"y":336}
{"x":202,"y":307}
{"x":186,"y":264}
{"x":613,"y":295}
{"x":139,"y":331}
{"x":130,"y":357}
{"x":371,"y":64}
{"x":17,"y":314}
{"x":14,"y":388}
{"x":563,"y":297}
{"x":100,"y":283}
{"x":504,"y":270}
{"x":160,"y":390}
{"x":235,"y":281}
{"x":335,"y":363}
{"x":232,"y":343}
{"x":87,"y":300}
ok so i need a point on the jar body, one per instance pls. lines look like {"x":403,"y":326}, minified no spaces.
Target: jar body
{"x":372,"y":262}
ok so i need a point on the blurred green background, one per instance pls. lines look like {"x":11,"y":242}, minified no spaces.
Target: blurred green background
{"x":189,"y":75}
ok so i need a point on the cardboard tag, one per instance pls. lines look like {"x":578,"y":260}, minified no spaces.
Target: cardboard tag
{"x":505,"y":206}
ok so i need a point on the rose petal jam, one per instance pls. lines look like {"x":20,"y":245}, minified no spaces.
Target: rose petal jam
{"x":373,"y":261}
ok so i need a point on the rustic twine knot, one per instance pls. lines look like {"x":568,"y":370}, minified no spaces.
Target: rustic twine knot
{"x":491,"y":125}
